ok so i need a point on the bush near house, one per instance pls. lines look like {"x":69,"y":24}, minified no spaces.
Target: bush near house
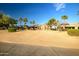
{"x":11,"y":29}
{"x":73,"y":32}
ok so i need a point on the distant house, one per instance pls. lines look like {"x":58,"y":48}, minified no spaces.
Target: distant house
{"x":73,"y":26}
{"x":33,"y":27}
{"x":64,"y":26}
{"x":70,"y":26}
{"x":44,"y":27}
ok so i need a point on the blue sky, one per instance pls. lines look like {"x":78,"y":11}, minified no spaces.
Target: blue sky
{"x":41,"y":12}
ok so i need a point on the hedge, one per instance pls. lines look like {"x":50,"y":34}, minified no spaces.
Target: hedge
{"x":73,"y":32}
{"x":11,"y":29}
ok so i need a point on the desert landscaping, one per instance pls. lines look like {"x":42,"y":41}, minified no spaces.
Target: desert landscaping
{"x":38,"y":42}
{"x":39,"y":29}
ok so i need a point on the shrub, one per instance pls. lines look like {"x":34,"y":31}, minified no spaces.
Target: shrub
{"x":11,"y":29}
{"x":73,"y":32}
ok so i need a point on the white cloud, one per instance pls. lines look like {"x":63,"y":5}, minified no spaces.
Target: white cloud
{"x":59,"y":6}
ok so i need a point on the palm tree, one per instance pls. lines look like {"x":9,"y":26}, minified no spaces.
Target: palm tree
{"x":25,"y":20}
{"x":12,"y":22}
{"x":64,"y":17}
{"x":32,"y":22}
{"x":20,"y":20}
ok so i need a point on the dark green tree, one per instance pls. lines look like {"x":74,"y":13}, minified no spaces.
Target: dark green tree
{"x":20,"y":21}
{"x":25,"y":21}
{"x":32,"y":22}
{"x":6,"y":20}
{"x":52,"y":21}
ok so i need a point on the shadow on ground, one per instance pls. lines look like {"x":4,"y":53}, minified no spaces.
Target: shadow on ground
{"x":12,"y":49}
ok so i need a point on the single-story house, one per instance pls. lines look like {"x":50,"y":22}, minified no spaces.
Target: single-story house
{"x":73,"y":26}
{"x":45,"y":27}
